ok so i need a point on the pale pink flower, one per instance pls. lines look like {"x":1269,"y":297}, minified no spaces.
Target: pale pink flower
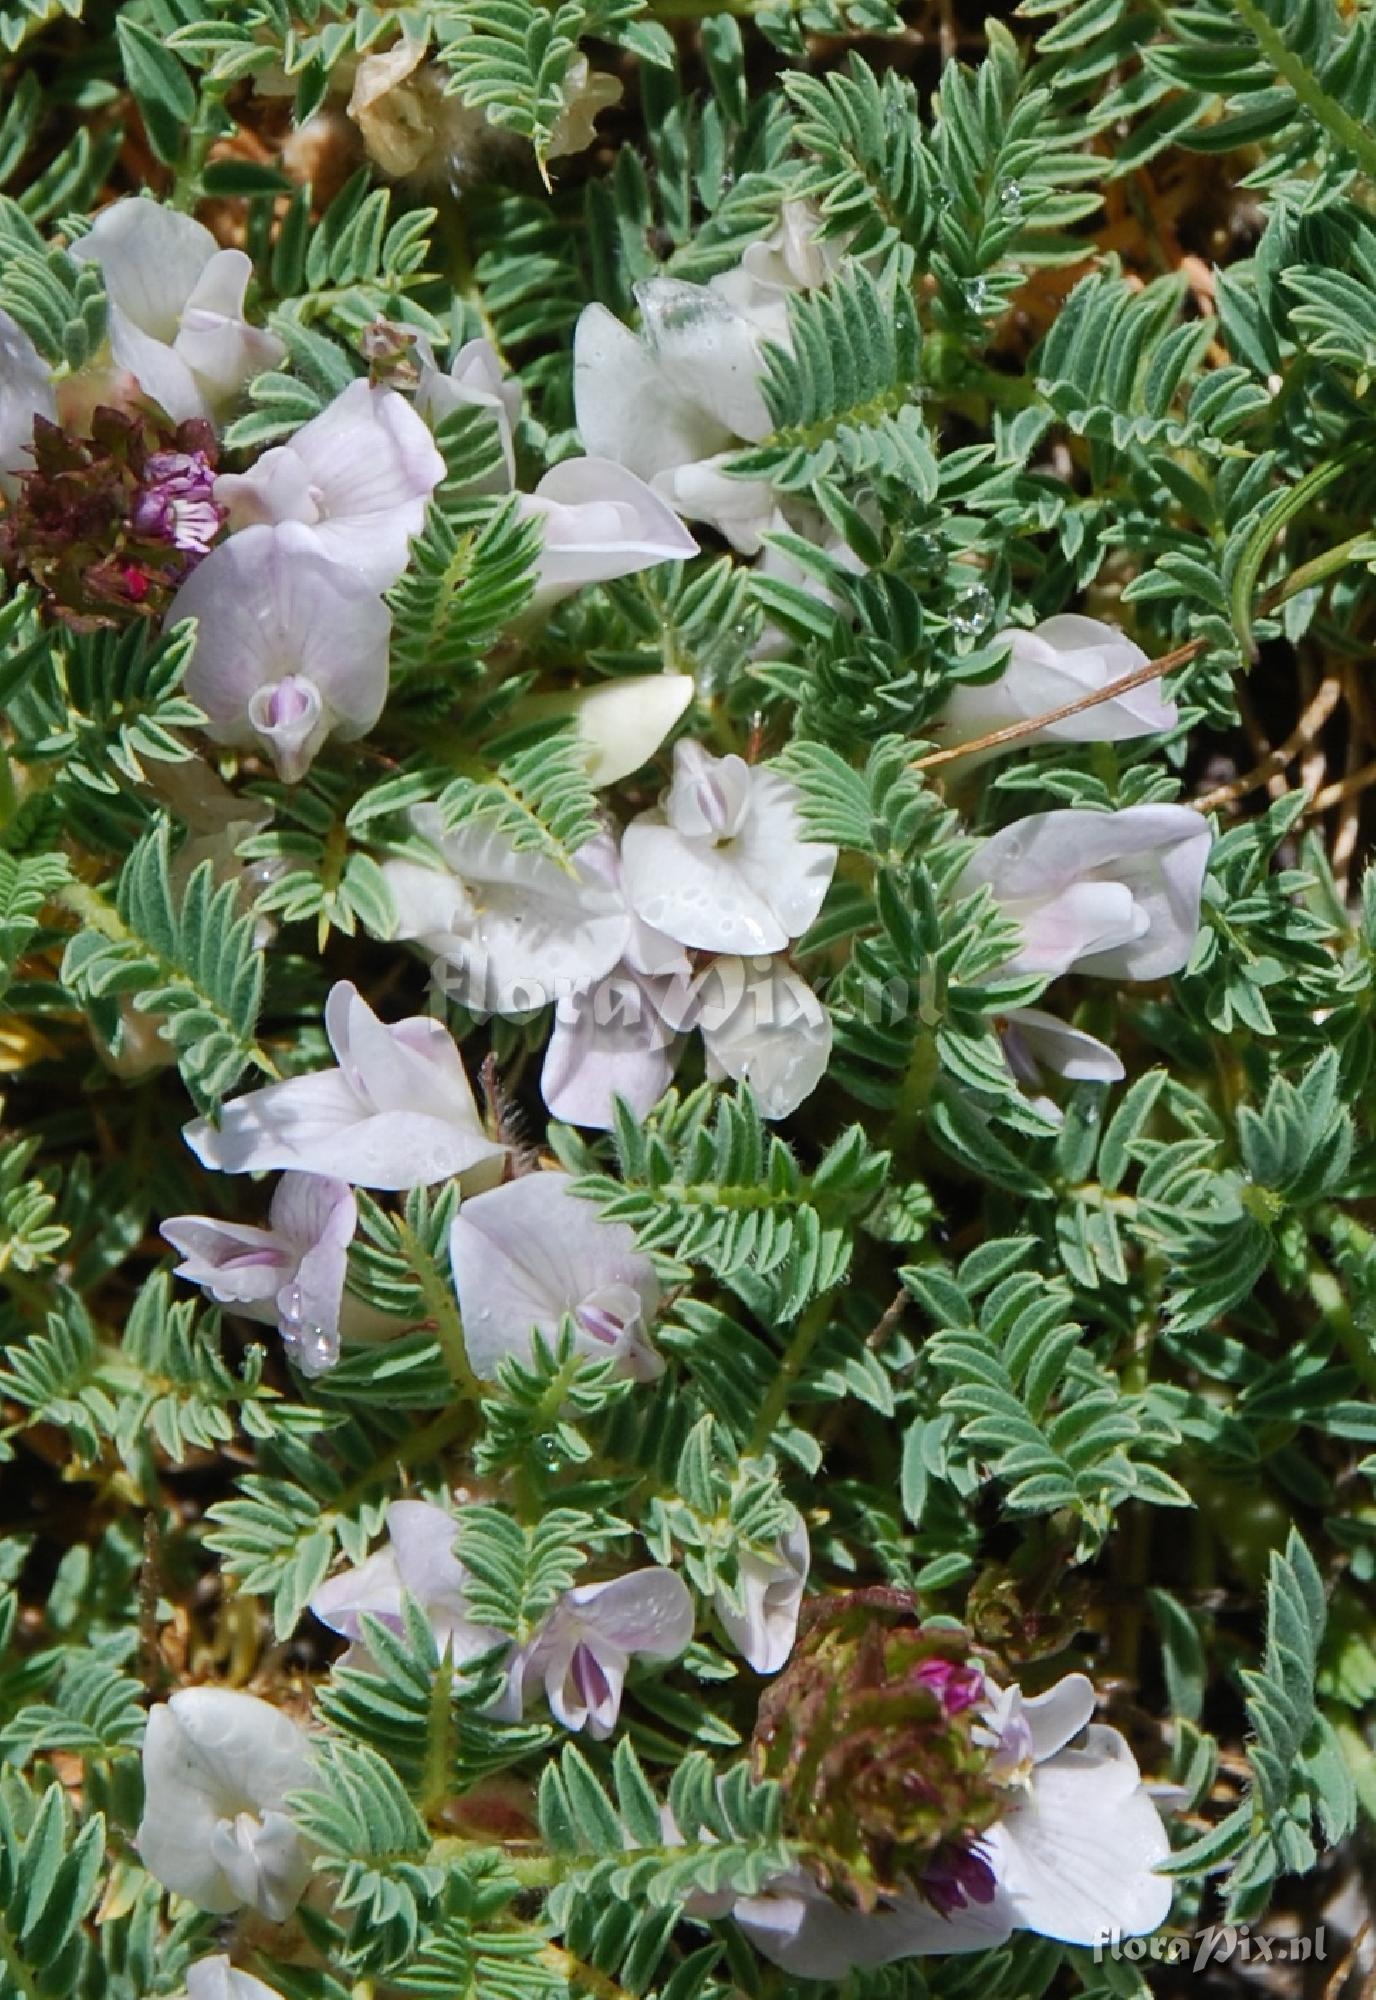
{"x":176,"y":303}
{"x":1113,"y":894}
{"x":355,"y":481}
{"x":290,"y":647}
{"x":582,"y":1650}
{"x":398,"y":1111}
{"x":528,"y":1255}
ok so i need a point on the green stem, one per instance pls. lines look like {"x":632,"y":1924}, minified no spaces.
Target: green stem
{"x":442,"y":1309}
{"x":914,"y":1090}
{"x":186,"y":182}
{"x":1357,"y":548}
{"x":1277,"y":514}
{"x":1334,"y":118}
{"x":1328,"y":1295}
{"x":416,"y":1449}
{"x":811,"y":1327}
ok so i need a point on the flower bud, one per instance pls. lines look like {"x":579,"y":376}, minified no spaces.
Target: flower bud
{"x":871,"y":1730}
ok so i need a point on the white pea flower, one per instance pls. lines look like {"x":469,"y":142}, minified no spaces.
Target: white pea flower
{"x":582,"y":1649}
{"x":289,"y":1275}
{"x":676,"y":401}
{"x":356,"y":480}
{"x":686,"y":388}
{"x":475,"y":380}
{"x":26,"y":392}
{"x":515,"y":928}
{"x":793,"y":257}
{"x":1056,"y":663}
{"x":217,"y":1768}
{"x":398,"y":1112}
{"x":761,"y":1024}
{"x":1112,"y":894}
{"x":620,"y":723}
{"x":743,"y":510}
{"x":418,"y":1559}
{"x":1077,"y":1849}
{"x":527,"y":1255}
{"x":1034,"y":1041}
{"x":216,"y":1979}
{"x":762,"y":1622}
{"x":1073,"y":1856}
{"x":176,"y":307}
{"x":613,"y":1038}
{"x":290,"y":647}
{"x":600,"y":522}
{"x":721,"y":864}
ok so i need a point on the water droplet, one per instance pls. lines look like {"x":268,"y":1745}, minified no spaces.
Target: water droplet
{"x":1010,"y":199}
{"x":289,"y":1313}
{"x":313,"y":1350}
{"x":549,"y":1452}
{"x":972,"y":610}
{"x":977,"y":295}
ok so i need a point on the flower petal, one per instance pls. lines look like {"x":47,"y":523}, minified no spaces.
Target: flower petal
{"x":763,"y":1632}
{"x":1114,"y":894}
{"x":1075,"y":1861}
{"x":765,"y":1027}
{"x":234,"y":1263}
{"x":694,"y":891}
{"x":270,"y":607}
{"x":772,"y":855}
{"x":536,"y":931}
{"x":373,"y":1585}
{"x":476,"y":380}
{"x":1060,"y":1713}
{"x":649,"y":1611}
{"x":607,"y":1043}
{"x":399,"y":1113}
{"x":151,"y":258}
{"x":216,"y":1759}
{"x":215,"y":341}
{"x":740,"y":509}
{"x":708,"y":350}
{"x":26,"y":392}
{"x":627,"y":406}
{"x":526,"y":1254}
{"x":156,"y":368}
{"x":216,"y":1979}
{"x":601,"y":522}
{"x":622,"y":722}
{"x":799,"y":1928}
{"x":1038,"y":1040}
{"x":1062,"y":659}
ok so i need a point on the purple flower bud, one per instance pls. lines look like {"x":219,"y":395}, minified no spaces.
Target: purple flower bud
{"x":176,"y":502}
{"x":957,"y":1687}
{"x":957,"y":1877}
